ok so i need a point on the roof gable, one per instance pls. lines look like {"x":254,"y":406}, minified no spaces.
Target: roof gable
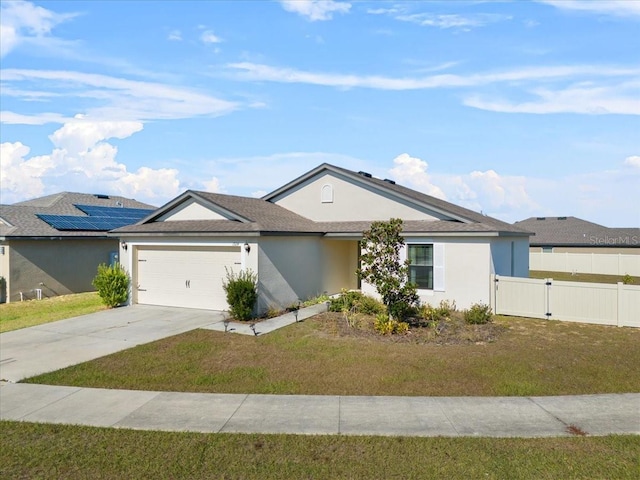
{"x":438,"y":208}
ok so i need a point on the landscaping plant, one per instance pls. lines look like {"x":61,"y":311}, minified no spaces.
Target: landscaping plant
{"x":242,"y":293}
{"x":478,"y":314}
{"x":112,"y":283}
{"x":382,"y":268}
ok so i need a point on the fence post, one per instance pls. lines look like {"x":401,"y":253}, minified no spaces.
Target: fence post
{"x":493,"y":294}
{"x":548,"y":313}
{"x":620,"y":304}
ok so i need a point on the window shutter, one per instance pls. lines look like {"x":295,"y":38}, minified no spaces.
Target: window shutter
{"x":438,"y":267}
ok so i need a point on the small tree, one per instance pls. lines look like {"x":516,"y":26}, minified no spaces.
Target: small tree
{"x":382,"y":268}
{"x":242,"y":293}
{"x":112,"y":283}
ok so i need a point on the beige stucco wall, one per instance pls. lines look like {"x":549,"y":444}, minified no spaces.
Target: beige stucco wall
{"x":289,"y":269}
{"x":190,"y":210}
{"x":339,"y":267}
{"x":351,"y":202}
{"x":467,"y":269}
{"x":58,"y":267}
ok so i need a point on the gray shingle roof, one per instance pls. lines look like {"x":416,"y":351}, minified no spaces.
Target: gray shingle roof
{"x":256,"y":216}
{"x":20,"y":220}
{"x":572,"y":231}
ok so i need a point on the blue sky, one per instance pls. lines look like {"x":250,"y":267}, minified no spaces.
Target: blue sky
{"x":515,"y":109}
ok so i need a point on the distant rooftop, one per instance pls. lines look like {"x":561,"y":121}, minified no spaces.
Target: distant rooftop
{"x":573,"y":231}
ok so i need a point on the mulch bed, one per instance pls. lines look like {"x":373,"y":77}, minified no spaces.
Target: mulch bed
{"x":453,"y":331}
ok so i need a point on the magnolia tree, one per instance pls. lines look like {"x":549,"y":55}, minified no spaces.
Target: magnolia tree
{"x":381,"y":267}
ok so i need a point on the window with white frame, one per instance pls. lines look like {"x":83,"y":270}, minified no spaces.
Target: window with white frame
{"x":421,"y":265}
{"x":326,"y":194}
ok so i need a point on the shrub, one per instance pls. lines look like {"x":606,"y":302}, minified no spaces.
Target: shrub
{"x":628,"y":279}
{"x":112,"y":283}
{"x":478,"y":314}
{"x":242,"y":293}
{"x":388,"y":326}
{"x":344,"y":301}
{"x":369,"y":306}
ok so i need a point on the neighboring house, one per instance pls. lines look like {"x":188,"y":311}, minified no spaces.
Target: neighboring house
{"x":303,"y":240}
{"x":53,"y":245}
{"x":574,"y":235}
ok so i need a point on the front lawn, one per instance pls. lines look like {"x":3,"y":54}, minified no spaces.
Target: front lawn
{"x":17,"y":315}
{"x":63,"y":451}
{"x":320,"y":356}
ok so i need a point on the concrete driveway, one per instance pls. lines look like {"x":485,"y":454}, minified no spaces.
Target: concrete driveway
{"x":51,"y":346}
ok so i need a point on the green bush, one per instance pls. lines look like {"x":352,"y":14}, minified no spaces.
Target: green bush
{"x":478,"y":314}
{"x":369,"y":306}
{"x":628,"y":279}
{"x":356,"y":302}
{"x":345,"y":301}
{"x":112,"y":283}
{"x":388,"y":326}
{"x":242,"y":293}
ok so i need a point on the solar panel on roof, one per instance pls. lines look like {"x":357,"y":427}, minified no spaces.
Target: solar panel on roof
{"x":99,"y":219}
{"x":114,"y":212}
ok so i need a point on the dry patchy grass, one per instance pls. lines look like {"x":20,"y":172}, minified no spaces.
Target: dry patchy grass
{"x":70,"y":452}
{"x":321,"y":356}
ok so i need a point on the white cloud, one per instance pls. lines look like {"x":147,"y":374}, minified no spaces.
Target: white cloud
{"x":119,"y":99}
{"x":462,"y":22}
{"x":212,"y":185}
{"x":601,"y":89}
{"x":632,"y":161}
{"x":413,"y":172}
{"x":261,"y":72}
{"x":585,"y":99}
{"x":315,"y":9}
{"x":489,"y":192}
{"x":23,"y":22}
{"x":175,"y":36}
{"x":18,"y":174}
{"x":39,"y":119}
{"x":618,"y":8}
{"x":209,"y":37}
{"x":82,"y":160}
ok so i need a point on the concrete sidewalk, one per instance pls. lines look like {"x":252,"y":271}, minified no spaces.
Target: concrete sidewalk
{"x":52,"y":346}
{"x":324,"y":415}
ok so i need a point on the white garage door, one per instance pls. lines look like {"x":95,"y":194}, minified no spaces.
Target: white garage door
{"x":185,"y":277}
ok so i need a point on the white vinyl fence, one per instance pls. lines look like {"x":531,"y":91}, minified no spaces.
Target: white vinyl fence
{"x":604,"y":263}
{"x":599,"y":303}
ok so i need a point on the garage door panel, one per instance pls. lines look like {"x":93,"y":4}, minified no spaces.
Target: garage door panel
{"x":185,"y":277}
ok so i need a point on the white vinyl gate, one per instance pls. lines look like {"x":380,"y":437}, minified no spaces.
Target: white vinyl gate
{"x":189,"y":277}
{"x":599,"y":303}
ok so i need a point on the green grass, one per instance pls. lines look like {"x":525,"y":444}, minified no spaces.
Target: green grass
{"x":17,"y":315}
{"x":317,"y":357}
{"x":63,"y":451}
{"x":580,"y":277}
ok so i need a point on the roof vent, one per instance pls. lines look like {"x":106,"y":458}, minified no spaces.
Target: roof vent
{"x":388,"y":180}
{"x":541,"y":218}
{"x":101,"y":196}
{"x":364,"y":174}
{"x":562,"y":218}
